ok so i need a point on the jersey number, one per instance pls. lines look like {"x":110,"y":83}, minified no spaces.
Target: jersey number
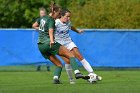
{"x":42,"y":25}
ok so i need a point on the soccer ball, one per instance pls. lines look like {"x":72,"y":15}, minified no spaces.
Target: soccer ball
{"x":93,"y":78}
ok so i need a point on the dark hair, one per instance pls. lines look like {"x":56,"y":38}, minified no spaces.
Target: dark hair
{"x":64,"y":11}
{"x":54,"y":7}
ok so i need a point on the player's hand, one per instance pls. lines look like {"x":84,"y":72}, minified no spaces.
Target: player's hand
{"x":51,"y":43}
{"x":80,"y":31}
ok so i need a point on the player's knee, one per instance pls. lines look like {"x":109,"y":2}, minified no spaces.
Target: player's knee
{"x":80,"y":57}
{"x":72,"y":55}
{"x":69,"y":55}
{"x":59,"y":65}
{"x":67,"y":62}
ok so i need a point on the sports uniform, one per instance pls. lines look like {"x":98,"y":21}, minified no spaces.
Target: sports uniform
{"x":62,"y":35}
{"x":45,"y":23}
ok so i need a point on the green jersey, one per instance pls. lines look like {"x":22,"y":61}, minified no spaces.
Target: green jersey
{"x":38,"y":20}
{"x":45,"y":23}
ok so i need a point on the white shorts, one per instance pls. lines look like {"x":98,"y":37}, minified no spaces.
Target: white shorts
{"x":70,"y":46}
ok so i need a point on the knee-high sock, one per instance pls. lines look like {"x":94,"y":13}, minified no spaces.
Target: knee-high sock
{"x":57,"y":72}
{"x":74,"y":65}
{"x":87,"y":66}
{"x":69,"y":71}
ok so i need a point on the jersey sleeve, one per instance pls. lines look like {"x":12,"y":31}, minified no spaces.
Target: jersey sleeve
{"x":56,"y":22}
{"x":51,"y":24}
{"x":38,"y":20}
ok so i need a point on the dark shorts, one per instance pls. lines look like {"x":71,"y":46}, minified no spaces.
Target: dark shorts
{"x":46,"y":51}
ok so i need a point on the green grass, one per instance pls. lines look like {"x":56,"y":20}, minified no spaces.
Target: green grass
{"x":41,"y":82}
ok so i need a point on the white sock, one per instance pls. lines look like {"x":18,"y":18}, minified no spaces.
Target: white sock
{"x":76,"y":71}
{"x":87,"y":66}
{"x":69,"y":71}
{"x":55,"y":77}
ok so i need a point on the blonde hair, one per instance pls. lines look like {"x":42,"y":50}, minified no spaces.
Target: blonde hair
{"x":42,"y":9}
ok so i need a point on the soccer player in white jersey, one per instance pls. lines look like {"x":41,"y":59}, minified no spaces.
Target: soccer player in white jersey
{"x":63,"y":25}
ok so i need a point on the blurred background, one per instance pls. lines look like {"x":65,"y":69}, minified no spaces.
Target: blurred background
{"x":86,"y":13}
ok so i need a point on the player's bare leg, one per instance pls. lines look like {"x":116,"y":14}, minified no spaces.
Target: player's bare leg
{"x":84,"y":62}
{"x":66,"y":53}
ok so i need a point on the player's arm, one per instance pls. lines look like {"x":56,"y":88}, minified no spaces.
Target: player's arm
{"x":35,"y":26}
{"x":51,"y":31}
{"x":76,"y":30}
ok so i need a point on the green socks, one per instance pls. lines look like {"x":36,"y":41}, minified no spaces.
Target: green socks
{"x":73,"y":63}
{"x":57,"y":72}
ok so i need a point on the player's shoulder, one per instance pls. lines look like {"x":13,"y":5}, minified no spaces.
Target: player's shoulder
{"x":37,"y":20}
{"x":51,"y":19}
{"x":48,"y":19}
{"x":69,"y":23}
{"x":57,"y":22}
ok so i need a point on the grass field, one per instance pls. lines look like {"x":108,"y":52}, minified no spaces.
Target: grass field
{"x":114,"y":81}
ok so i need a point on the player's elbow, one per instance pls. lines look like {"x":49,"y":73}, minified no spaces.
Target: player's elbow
{"x":33,"y":26}
{"x":51,"y":30}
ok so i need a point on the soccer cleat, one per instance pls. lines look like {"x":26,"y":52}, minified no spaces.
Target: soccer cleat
{"x":86,"y":77}
{"x":79,"y":75}
{"x":56,"y":81}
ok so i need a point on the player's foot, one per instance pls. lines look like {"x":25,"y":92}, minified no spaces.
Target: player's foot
{"x":86,"y":77}
{"x":72,"y":81}
{"x":56,"y":81}
{"x":79,"y":75}
{"x":99,"y":78}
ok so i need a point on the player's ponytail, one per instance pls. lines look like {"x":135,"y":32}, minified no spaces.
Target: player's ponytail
{"x":54,"y":7}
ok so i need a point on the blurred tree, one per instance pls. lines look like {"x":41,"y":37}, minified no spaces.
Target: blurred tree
{"x":63,"y":3}
{"x":85,"y":13}
{"x":19,"y":13}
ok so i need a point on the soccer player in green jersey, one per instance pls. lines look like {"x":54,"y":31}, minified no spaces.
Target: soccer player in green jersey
{"x":49,"y":48}
{"x":42,"y":12}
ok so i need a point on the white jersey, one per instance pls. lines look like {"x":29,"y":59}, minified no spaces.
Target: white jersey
{"x":62,"y":35}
